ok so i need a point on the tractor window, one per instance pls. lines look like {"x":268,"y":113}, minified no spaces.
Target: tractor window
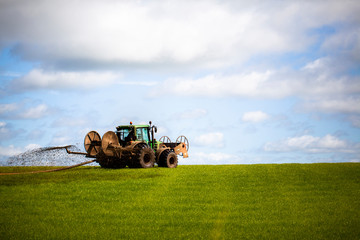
{"x":139,"y":134}
{"x":142,"y":134}
{"x":146,"y":134}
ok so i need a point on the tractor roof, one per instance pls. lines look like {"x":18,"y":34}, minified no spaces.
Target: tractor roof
{"x":131,"y":126}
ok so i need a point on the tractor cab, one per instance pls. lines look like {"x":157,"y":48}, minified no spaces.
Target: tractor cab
{"x":129,"y":133}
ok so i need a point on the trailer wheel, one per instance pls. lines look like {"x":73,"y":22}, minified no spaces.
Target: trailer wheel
{"x":112,"y":162}
{"x":118,"y":163}
{"x":104,"y":162}
{"x":168,"y":159}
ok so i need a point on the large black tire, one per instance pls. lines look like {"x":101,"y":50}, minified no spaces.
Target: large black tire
{"x":144,"y":158}
{"x":103,"y":162}
{"x":118,"y":163}
{"x":168,"y":159}
{"x":112,"y":162}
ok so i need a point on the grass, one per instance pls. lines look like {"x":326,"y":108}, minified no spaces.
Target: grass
{"x":287,"y":201}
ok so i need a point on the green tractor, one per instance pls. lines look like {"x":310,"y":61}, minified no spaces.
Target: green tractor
{"x":135,"y":146}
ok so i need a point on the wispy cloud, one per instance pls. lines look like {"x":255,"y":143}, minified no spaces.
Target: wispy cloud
{"x":38,"y":111}
{"x":319,"y":86}
{"x":23,"y":111}
{"x":344,"y":104}
{"x":7,"y":107}
{"x":41,"y":79}
{"x":256,"y":116}
{"x":314,"y":81}
{"x":213,"y":139}
{"x":312,"y":144}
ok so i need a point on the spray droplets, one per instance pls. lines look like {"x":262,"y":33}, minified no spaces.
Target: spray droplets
{"x":47,"y":156}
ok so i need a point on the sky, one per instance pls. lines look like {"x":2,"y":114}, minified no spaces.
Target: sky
{"x":246,"y":82}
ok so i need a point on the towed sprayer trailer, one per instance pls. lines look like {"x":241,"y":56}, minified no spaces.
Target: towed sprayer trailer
{"x":134,"y":146}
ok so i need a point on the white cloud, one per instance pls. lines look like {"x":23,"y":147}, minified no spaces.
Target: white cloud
{"x":344,"y":104}
{"x":138,"y":83}
{"x":256,"y":116}
{"x":345,"y":42}
{"x":268,"y":84}
{"x":248,"y":85}
{"x":36,"y":112}
{"x":214,"y":139}
{"x":40,"y":79}
{"x":7,"y":107}
{"x":23,"y":110}
{"x":312,"y":144}
{"x":320,"y":85}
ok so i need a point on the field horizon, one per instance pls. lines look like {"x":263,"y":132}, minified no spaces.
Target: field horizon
{"x":256,"y":201}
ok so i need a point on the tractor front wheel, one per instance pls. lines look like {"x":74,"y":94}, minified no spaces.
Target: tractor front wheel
{"x":168,"y":159}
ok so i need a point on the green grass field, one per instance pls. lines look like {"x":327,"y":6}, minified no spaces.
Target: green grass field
{"x":287,"y":201}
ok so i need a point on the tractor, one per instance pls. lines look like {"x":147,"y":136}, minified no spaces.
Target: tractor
{"x":134,"y":146}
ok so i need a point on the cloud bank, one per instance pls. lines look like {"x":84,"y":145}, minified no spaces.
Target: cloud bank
{"x":82,"y":32}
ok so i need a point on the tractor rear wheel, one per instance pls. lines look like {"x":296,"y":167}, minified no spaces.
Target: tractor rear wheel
{"x":168,"y":159}
{"x":144,"y":158}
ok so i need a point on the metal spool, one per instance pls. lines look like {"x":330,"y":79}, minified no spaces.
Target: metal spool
{"x":92,"y":143}
{"x":165,"y":139}
{"x":109,"y":143}
{"x":183,"y":139}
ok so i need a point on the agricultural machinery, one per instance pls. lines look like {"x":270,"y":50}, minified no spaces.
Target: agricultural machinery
{"x":134,"y":146}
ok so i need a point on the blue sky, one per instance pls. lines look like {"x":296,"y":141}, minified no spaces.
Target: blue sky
{"x":246,"y":82}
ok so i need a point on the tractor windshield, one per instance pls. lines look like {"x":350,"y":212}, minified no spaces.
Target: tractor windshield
{"x":123,"y":133}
